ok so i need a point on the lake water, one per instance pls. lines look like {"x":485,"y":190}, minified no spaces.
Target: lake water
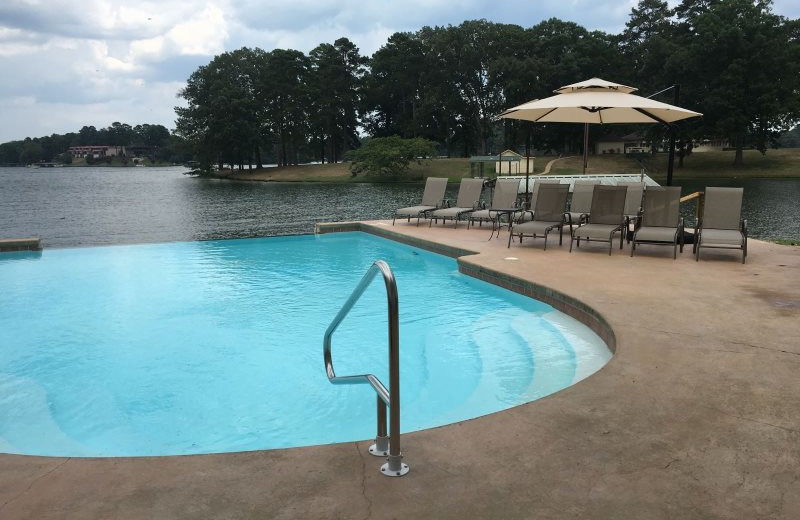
{"x":96,"y":206}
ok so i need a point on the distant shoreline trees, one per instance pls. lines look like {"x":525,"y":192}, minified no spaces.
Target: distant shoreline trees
{"x":155,"y":141}
{"x":735,"y":60}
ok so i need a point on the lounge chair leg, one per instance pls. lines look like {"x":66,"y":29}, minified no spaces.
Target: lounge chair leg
{"x":697,"y":253}
{"x":675,"y":250}
{"x":393,"y":218}
{"x":545,"y":240}
{"x":570,"y":242}
{"x":510,"y":236}
{"x":633,"y":246}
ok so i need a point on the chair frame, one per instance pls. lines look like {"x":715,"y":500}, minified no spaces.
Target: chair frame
{"x":423,"y":213}
{"x":586,"y":218}
{"x":475,"y":206}
{"x":560,"y":225}
{"x":698,"y":235}
{"x":698,"y":231}
{"x":678,"y":239}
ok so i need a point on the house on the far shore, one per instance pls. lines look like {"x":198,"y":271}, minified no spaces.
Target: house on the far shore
{"x":631,"y":143}
{"x":96,"y":151}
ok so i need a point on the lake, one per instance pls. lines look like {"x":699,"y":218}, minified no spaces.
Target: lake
{"x":69,"y":207}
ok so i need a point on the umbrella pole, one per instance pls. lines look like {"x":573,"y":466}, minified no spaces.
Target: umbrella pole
{"x":671,"y":159}
{"x":585,"y":145}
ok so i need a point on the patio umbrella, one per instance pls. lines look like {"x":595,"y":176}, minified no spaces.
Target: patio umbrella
{"x":597,"y":101}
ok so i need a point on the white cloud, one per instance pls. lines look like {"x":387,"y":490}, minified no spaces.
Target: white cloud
{"x":205,"y":33}
{"x":68,"y":63}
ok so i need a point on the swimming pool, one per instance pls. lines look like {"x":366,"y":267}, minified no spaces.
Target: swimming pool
{"x":202,"y":347}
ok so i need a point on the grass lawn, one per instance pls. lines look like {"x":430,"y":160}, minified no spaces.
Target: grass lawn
{"x":776,"y":163}
{"x":454,"y":169}
{"x":783,"y":162}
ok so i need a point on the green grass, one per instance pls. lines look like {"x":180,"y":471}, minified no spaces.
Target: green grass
{"x":609,"y":163}
{"x":776,"y":163}
{"x":786,"y":241}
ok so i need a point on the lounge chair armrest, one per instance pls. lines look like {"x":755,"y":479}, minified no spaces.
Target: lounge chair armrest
{"x":744,"y":226}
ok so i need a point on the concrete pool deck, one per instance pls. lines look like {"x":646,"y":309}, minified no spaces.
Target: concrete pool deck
{"x":697,"y":415}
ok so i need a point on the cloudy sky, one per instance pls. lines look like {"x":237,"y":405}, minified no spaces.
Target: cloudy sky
{"x":67,"y":63}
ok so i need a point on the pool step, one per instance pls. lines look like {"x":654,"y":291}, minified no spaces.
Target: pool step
{"x":20,"y":244}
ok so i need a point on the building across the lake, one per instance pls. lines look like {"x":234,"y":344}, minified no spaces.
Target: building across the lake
{"x":97,"y":151}
{"x":631,"y":143}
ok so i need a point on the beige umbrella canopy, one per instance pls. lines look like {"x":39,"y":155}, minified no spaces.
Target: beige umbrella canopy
{"x":597,"y":101}
{"x":600,"y":102}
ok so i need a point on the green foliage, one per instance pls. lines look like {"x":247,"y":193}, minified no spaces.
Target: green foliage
{"x":735,"y":61}
{"x":334,"y":88}
{"x":389,"y":156}
{"x":156,"y":139}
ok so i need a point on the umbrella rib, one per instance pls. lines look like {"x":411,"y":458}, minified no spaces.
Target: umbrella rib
{"x":651,"y":116}
{"x":543,"y":115}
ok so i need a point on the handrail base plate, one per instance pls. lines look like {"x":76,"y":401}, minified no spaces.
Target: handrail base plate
{"x":380,"y":448}
{"x":395,"y":473}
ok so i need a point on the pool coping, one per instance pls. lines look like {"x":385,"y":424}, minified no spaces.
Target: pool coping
{"x":695,"y":416}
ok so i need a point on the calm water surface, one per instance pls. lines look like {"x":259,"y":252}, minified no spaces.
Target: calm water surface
{"x":96,"y":206}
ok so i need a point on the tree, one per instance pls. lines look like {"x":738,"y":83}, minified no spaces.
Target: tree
{"x":282,"y":87}
{"x":336,"y":73}
{"x":87,"y":136}
{"x":391,"y":89}
{"x":389,"y":156}
{"x":741,"y":64}
{"x":221,"y":118}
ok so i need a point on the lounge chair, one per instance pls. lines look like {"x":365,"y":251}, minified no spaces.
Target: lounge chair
{"x":661,"y":221}
{"x":468,"y":200}
{"x":432,"y":199}
{"x":605,"y":219}
{"x":550,"y":214}
{"x":581,"y":202}
{"x":528,"y":215}
{"x":633,"y":204}
{"x":721,"y":225}
{"x":504,"y":197}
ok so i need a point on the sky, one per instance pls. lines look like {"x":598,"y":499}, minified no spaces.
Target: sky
{"x":69,"y":63}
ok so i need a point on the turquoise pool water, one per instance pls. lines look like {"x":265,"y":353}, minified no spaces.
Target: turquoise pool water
{"x":201,"y":347}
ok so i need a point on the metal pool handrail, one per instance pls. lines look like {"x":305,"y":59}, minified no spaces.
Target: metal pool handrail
{"x":384,"y":445}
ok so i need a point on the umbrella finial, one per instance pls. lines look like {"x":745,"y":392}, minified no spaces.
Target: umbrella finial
{"x":595,"y":85}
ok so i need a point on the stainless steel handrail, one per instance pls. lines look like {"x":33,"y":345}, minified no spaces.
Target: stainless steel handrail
{"x":384,"y":445}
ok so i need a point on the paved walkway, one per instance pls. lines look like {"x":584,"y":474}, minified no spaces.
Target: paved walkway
{"x":696,"y":416}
